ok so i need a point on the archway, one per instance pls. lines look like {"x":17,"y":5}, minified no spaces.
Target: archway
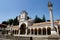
{"x":44,"y":31}
{"x":48,"y":30}
{"x":28,"y":31}
{"x":59,"y":31}
{"x":39,"y":31}
{"x":35,"y":31}
{"x":23,"y":28}
{"x":32,"y":31}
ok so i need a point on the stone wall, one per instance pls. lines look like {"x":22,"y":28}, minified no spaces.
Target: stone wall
{"x":38,"y":38}
{"x":29,"y":38}
{"x":53,"y":37}
{"x":14,"y":37}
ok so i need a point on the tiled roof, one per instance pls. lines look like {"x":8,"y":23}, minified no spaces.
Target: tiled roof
{"x":3,"y":25}
{"x":43,"y":23}
{"x":12,"y":28}
{"x":15,"y":27}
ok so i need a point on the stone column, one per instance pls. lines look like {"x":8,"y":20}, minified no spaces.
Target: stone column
{"x":26,"y":31}
{"x":37,"y":31}
{"x":41,"y":31}
{"x":50,"y":5}
{"x":19,"y":32}
{"x":30,"y":31}
{"x":46,"y":30}
{"x":57,"y":30}
{"x":33,"y":31}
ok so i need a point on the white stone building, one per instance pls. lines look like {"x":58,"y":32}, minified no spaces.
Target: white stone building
{"x":28,"y":28}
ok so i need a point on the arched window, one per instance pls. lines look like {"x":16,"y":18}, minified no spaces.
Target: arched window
{"x":35,"y":31}
{"x":23,"y":29}
{"x":39,"y":31}
{"x":44,"y":31}
{"x":48,"y":30}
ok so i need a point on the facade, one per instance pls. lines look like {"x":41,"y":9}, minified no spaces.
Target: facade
{"x":28,"y":28}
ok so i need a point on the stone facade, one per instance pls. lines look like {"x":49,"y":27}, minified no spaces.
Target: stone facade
{"x":27,"y":30}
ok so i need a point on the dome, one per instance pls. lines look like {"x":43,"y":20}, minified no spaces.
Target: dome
{"x":23,"y":11}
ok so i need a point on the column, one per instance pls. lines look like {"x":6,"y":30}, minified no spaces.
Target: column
{"x":37,"y":31}
{"x":26,"y":31}
{"x":30,"y":31}
{"x":51,"y":18}
{"x":57,"y":30}
{"x":41,"y":31}
{"x":46,"y":30}
{"x":33,"y":31}
{"x":19,"y":32}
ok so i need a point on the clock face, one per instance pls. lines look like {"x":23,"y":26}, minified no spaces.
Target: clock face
{"x":22,"y":16}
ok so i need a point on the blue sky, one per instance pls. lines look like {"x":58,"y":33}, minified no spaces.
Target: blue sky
{"x":12,"y":8}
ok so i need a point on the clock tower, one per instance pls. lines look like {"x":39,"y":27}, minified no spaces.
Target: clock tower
{"x":23,"y":16}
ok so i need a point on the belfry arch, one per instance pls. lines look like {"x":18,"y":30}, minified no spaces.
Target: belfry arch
{"x":23,"y":28}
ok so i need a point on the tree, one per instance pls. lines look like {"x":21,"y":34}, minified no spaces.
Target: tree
{"x":28,"y":17}
{"x":48,"y":20}
{"x":15,"y":22}
{"x":5,"y":22}
{"x":43,"y":19}
{"x":37,"y":20}
{"x":10,"y":21}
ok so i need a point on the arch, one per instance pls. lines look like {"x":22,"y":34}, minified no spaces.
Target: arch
{"x":35,"y":31}
{"x":28,"y":31}
{"x":59,"y":31}
{"x":39,"y":31}
{"x":32,"y":31}
{"x":48,"y":30}
{"x":23,"y":28}
{"x":44,"y":31}
{"x":15,"y":31}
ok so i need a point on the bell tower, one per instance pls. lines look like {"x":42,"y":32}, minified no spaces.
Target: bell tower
{"x":23,"y":22}
{"x":23,"y":16}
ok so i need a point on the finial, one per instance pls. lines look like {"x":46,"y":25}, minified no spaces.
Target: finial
{"x":49,"y":4}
